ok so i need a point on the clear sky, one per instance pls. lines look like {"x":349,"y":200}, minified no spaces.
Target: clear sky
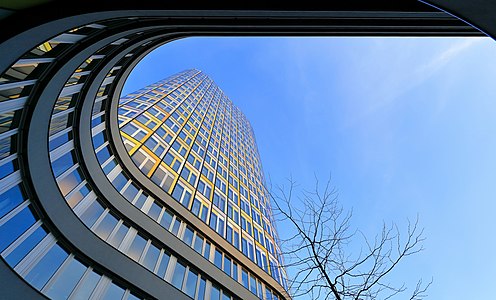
{"x":405,"y":125}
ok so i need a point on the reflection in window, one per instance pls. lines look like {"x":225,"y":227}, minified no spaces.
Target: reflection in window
{"x":46,"y":267}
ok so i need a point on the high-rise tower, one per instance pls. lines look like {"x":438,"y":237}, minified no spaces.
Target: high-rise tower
{"x":186,"y":136}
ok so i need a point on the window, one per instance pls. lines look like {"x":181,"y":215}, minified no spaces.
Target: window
{"x":227,"y":265}
{"x":181,"y":194}
{"x":204,"y":188}
{"x":151,"y":257}
{"x":218,"y":259}
{"x":190,"y":285}
{"x":136,"y":247}
{"x":219,"y":201}
{"x":178,"y":275}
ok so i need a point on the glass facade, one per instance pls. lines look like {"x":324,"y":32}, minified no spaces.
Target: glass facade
{"x":184,"y":147}
{"x":187,"y":136}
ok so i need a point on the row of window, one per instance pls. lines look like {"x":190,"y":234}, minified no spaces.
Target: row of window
{"x":109,"y":227}
{"x":26,"y":244}
{"x":175,"y":164}
{"x":155,"y":210}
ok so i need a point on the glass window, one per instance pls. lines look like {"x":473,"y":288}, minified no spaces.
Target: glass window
{"x":130,"y":192}
{"x":201,"y":289}
{"x":77,"y":196}
{"x":227,"y":265}
{"x":235,"y":271}
{"x":166,"y":220}
{"x":119,"y":235}
{"x":206,"y":252}
{"x":62,"y":164}
{"x":268,"y":294}
{"x":114,"y":292}
{"x":218,"y":259}
{"x":253,"y":285}
{"x":163,"y":265}
{"x":106,"y":226}
{"x":175,"y":227}
{"x":27,"y":245}
{"x":46,"y":267}
{"x":195,"y":208}
{"x":204,"y":213}
{"x":67,"y":280}
{"x":188,"y":236}
{"x":220,"y":227}
{"x":215,"y":293}
{"x":244,"y":278}
{"x":213,"y":221}
{"x":86,"y":287}
{"x":69,"y":182}
{"x":178,"y":275}
{"x":154,"y":211}
{"x":190,"y":287}
{"x":14,"y":227}
{"x":136,"y":247}
{"x":151,"y":257}
{"x":10,"y":199}
{"x":198,"y":244}
{"x":229,"y":234}
{"x":92,"y":213}
{"x":141,"y":200}
{"x":119,"y":181}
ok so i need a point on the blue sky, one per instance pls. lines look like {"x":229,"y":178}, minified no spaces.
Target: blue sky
{"x":406,"y":126}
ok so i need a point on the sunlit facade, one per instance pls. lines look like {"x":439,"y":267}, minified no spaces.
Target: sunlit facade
{"x":187,"y":136}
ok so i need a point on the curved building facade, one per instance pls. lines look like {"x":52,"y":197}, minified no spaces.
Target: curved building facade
{"x":158,"y":194}
{"x":174,"y":197}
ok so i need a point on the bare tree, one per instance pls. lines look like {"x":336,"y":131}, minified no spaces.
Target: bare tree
{"x":318,"y":252}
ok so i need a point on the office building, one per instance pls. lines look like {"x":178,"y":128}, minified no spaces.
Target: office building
{"x":91,"y":208}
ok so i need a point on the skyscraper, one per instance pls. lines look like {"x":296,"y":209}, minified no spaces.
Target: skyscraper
{"x":165,"y":186}
{"x":66,"y":231}
{"x":186,"y":136}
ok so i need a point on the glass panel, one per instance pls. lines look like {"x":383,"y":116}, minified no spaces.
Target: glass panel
{"x":66,"y":281}
{"x":206,"y":252}
{"x":46,"y":267}
{"x":175,"y":227}
{"x":218,"y":259}
{"x":198,"y":244}
{"x":114,"y":292}
{"x":226,"y":296}
{"x":86,"y":288}
{"x":151,"y":257}
{"x":10,"y":199}
{"x":177,"y":277}
{"x":215,"y":293}
{"x":77,"y":196}
{"x":27,"y":245}
{"x":69,"y":182}
{"x":16,"y":226}
{"x":227,"y":265}
{"x":201,"y":289}
{"x":62,"y":164}
{"x":166,"y":220}
{"x":106,"y":226}
{"x":136,"y":247}
{"x":188,"y":236}
{"x":253,"y":285}
{"x":190,"y":286}
{"x":119,"y":236}
{"x":92,"y":213}
{"x":244,"y":278}
{"x":7,"y":168}
{"x":163,"y":265}
{"x":154,"y":211}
